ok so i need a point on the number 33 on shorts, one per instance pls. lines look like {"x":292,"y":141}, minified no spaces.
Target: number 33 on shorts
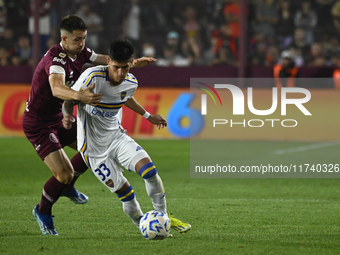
{"x":103,"y":173}
{"x":108,"y":172}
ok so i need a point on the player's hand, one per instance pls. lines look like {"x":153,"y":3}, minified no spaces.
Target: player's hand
{"x":143,"y":61}
{"x":88,"y":97}
{"x":157,"y":120}
{"x":68,"y":121}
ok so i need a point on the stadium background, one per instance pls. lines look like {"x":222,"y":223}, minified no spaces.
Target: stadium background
{"x":228,"y":216}
{"x":205,"y":38}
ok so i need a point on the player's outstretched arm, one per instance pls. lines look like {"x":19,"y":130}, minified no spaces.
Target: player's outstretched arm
{"x":143,"y":61}
{"x":101,"y":60}
{"x":155,"y":119}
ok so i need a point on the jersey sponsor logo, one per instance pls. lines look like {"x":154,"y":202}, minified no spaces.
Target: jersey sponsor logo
{"x":62,"y":55}
{"x":59,"y":60}
{"x":107,"y":114}
{"x":123,"y":95}
{"x":53,"y":138}
{"x":71,"y":75}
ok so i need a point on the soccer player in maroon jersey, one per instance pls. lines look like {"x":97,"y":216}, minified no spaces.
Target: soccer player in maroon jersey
{"x":42,"y":121}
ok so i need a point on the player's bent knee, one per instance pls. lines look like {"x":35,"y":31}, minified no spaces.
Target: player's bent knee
{"x":126,"y":195}
{"x":65,"y":177}
{"x":148,"y":170}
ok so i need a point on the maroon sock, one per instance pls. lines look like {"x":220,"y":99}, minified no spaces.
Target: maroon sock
{"x":51,"y":192}
{"x":79,"y":167}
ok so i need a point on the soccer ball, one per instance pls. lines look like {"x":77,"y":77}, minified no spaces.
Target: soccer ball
{"x":154,"y":225}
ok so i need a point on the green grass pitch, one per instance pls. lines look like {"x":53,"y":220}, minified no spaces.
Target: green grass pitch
{"x":228,"y":216}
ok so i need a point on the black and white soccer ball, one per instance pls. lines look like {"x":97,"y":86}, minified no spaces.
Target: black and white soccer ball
{"x":154,"y":225}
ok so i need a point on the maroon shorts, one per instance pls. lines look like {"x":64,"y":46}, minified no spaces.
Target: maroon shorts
{"x":48,"y":138}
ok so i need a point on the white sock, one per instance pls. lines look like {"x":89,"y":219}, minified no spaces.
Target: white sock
{"x":154,"y":188}
{"x":133,"y":211}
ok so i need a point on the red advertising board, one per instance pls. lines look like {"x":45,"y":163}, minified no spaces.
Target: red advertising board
{"x":176,"y":105}
{"x":13,"y":102}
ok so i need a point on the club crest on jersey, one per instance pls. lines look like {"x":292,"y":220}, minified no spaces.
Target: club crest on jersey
{"x":53,"y":138}
{"x":61,"y":54}
{"x":123,"y":95}
{"x":110,"y":183}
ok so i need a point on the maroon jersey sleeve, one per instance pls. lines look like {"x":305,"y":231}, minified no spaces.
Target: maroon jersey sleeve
{"x":55,"y":57}
{"x":42,"y":105}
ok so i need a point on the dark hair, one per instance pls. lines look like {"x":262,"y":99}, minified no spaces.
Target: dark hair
{"x":121,"y":50}
{"x":72,"y":22}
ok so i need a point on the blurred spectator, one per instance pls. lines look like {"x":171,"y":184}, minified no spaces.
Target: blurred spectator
{"x":191,"y":51}
{"x":231,"y":13}
{"x":285,"y":72}
{"x":258,"y":57}
{"x":45,"y":24}
{"x":170,"y":58}
{"x":336,"y":16}
{"x":51,"y":42}
{"x":297,"y":57}
{"x":223,"y":58}
{"x":336,"y":72}
{"x":8,"y":40}
{"x":17,"y":15}
{"x":192,"y":43}
{"x":196,"y":29}
{"x":94,"y":25}
{"x":285,"y":28}
{"x":306,"y":19}
{"x":3,"y":20}
{"x":316,"y":56}
{"x":225,"y":47}
{"x":226,"y":41}
{"x":209,"y":54}
{"x":4,"y":56}
{"x":323,"y":9}
{"x":15,"y":60}
{"x":272,"y":56}
{"x":263,"y":55}
{"x":24,"y":50}
{"x":173,"y":41}
{"x":215,"y":14}
{"x":257,"y":37}
{"x":267,"y":14}
{"x":192,"y":27}
{"x":332,"y":49}
{"x":300,"y":45}
{"x":148,"y":50}
{"x":153,"y":16}
{"x":131,"y":27}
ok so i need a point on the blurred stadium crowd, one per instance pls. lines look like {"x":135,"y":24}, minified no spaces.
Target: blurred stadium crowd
{"x":183,"y":32}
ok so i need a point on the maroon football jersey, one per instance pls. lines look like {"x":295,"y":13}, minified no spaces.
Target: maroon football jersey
{"x":42,"y":106}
